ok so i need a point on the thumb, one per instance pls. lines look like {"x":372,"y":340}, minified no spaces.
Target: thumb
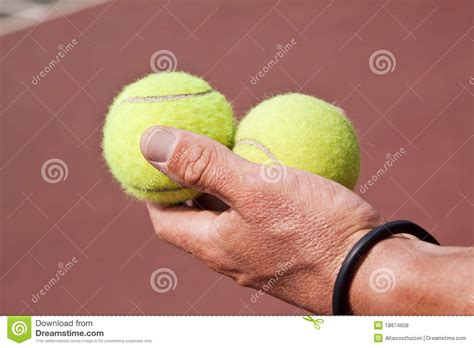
{"x":198,"y":162}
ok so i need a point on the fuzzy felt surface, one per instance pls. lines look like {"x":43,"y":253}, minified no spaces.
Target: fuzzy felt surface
{"x":131,"y":113}
{"x":303,"y":132}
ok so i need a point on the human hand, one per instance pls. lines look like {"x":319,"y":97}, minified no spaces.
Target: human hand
{"x":288,"y":237}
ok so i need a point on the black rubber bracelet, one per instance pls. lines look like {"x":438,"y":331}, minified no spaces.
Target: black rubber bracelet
{"x":340,"y":297}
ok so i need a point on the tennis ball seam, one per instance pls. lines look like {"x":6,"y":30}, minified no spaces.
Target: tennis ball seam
{"x":174,"y":99}
{"x":255,"y":143}
{"x":159,"y":99}
{"x":306,"y":133}
{"x":158,"y":190}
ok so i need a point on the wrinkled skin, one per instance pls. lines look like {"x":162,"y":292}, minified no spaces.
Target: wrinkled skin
{"x":302,"y":225}
{"x":290,"y":237}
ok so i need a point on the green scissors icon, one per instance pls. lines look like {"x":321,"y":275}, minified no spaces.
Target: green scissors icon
{"x":316,"y":322}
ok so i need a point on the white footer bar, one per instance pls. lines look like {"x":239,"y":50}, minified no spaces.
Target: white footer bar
{"x":235,"y":331}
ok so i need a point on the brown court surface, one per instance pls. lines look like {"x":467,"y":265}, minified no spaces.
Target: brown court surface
{"x":422,"y":103}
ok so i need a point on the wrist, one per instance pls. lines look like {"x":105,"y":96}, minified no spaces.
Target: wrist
{"x":383,"y":278}
{"x":403,"y":275}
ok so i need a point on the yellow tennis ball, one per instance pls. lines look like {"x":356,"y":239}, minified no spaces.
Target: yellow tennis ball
{"x":174,"y":99}
{"x":300,"y":131}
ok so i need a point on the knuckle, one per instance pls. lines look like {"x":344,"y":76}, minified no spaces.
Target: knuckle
{"x":243,"y":280}
{"x":195,"y":163}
